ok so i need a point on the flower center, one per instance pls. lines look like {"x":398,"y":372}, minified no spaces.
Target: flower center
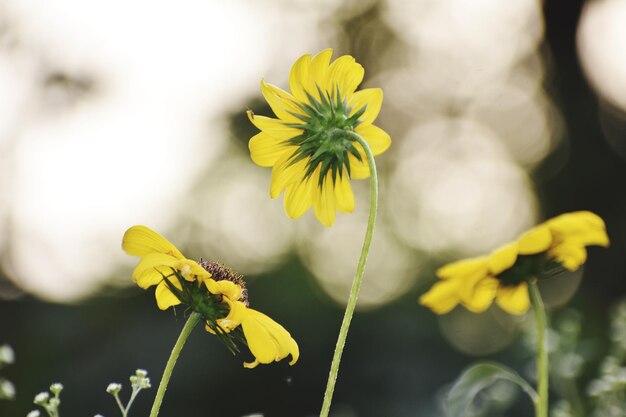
{"x":527,"y":267}
{"x":220,"y":272}
{"x":327,"y":138}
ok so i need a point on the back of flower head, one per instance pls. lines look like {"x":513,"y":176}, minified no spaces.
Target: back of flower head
{"x":210,"y":292}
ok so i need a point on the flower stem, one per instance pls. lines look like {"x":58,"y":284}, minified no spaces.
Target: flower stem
{"x":541,"y":405}
{"x":193,"y":319}
{"x":358,"y":278}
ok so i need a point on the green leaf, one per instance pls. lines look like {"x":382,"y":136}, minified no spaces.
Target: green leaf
{"x":475,"y":379}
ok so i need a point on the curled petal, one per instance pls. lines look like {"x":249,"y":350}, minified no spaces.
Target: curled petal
{"x":481,"y":295}
{"x":344,"y":197}
{"x":299,"y":197}
{"x":570,"y":255}
{"x":224,"y":287}
{"x":281,"y":102}
{"x":275,"y":128}
{"x":266,"y":150}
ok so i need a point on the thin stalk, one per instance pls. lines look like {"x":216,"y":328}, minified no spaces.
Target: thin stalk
{"x":193,"y":319}
{"x":358,"y":279}
{"x":541,"y":323}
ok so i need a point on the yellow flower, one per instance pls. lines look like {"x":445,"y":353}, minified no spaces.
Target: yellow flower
{"x":311,"y":145}
{"x":503,"y":275}
{"x":215,"y":292}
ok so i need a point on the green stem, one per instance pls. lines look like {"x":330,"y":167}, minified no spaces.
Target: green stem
{"x":541,"y":323}
{"x":193,"y":319}
{"x":358,"y":278}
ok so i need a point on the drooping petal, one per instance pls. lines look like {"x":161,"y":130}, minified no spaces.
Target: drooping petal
{"x":285,"y":173}
{"x":324,"y":201}
{"x":266,"y":150}
{"x":344,"y":197}
{"x":503,"y":258}
{"x":299,"y":197}
{"x":268,"y":341}
{"x":282,"y":103}
{"x":536,"y":240}
{"x":371,"y":99}
{"x":442,"y":297}
{"x":378,"y":140}
{"x":141,"y":240}
{"x":275,"y":128}
{"x":164,"y":297}
{"x":346,"y":74}
{"x":482,"y":295}
{"x":299,"y":80}
{"x":514,"y":299}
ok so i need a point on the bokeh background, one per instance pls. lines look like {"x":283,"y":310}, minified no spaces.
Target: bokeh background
{"x":502,"y":113}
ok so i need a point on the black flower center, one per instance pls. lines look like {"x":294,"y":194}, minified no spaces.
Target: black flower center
{"x":527,"y":267}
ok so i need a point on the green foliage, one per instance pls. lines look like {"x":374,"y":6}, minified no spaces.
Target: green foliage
{"x":478,"y":378}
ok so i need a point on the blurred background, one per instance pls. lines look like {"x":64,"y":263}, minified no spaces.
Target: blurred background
{"x":120,"y":113}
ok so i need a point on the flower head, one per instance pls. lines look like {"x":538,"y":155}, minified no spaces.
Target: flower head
{"x":503,"y":275}
{"x":214,"y":291}
{"x":312,"y":146}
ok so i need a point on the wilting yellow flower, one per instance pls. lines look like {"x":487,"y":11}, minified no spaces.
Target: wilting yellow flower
{"x":310,"y":146}
{"x":215,"y":292}
{"x":158,"y":258}
{"x":504,"y":274}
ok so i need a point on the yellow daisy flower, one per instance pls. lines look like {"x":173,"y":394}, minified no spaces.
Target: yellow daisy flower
{"x":503,"y":275}
{"x":311,"y":146}
{"x":217,"y":293}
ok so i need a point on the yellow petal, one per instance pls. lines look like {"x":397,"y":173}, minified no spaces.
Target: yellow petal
{"x":285,"y":173}
{"x":150,"y":270}
{"x":299,"y":197}
{"x":265,"y":150}
{"x":346,"y":74}
{"x":275,"y":128}
{"x":268,"y":341}
{"x":236,"y":315}
{"x":570,"y":255}
{"x":378,"y":140}
{"x":281,"y":102}
{"x":582,"y":227}
{"x":344,"y":197}
{"x":318,"y":71}
{"x":536,"y":240}
{"x":227,"y":288}
{"x":481,"y":296}
{"x":299,"y":80}
{"x":514,"y":299}
{"x":324,"y":200}
{"x":503,"y":258}
{"x":463,"y":268}
{"x":371,"y":99}
{"x":165,"y":298}
{"x":141,"y":240}
{"x":442,"y":297}
{"x":359,"y":169}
